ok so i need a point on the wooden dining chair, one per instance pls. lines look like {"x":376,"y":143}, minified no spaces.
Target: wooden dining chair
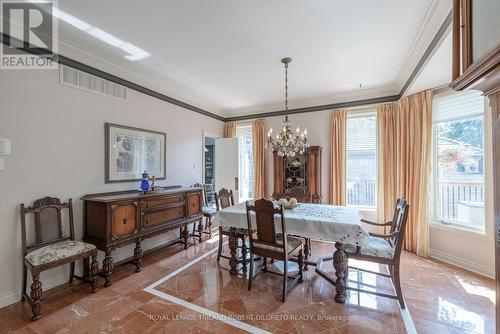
{"x":384,"y":249}
{"x":224,"y":199}
{"x":265,"y":242}
{"x":51,"y":248}
{"x":302,"y":196}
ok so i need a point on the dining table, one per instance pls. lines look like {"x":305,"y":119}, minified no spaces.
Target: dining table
{"x":340,"y":225}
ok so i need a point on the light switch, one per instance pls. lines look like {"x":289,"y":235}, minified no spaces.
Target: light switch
{"x":4,"y":146}
{"x":2,"y":163}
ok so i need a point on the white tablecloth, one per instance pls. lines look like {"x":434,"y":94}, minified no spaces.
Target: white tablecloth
{"x":315,"y":221}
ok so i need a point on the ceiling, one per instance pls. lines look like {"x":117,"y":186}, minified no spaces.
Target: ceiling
{"x":224,"y":55}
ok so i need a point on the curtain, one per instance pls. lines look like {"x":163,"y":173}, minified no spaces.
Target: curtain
{"x":259,"y":153}
{"x":229,"y":129}
{"x":386,"y":163}
{"x":337,"y":158}
{"x":413,"y":155}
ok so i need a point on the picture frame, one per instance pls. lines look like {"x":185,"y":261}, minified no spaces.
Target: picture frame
{"x":130,"y":151}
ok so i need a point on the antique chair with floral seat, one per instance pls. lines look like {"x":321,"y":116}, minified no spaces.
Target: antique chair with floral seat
{"x":267,"y":243}
{"x":51,"y":248}
{"x":384,"y":249}
{"x":224,"y":199}
{"x":208,"y":212}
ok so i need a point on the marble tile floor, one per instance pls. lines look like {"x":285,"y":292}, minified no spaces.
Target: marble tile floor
{"x":440,"y":298}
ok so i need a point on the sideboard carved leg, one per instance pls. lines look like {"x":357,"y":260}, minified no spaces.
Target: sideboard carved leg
{"x":233,"y":245}
{"x":340,"y":265}
{"x":200,"y":230}
{"x":35,"y":294}
{"x":244,"y":252}
{"x":209,"y":224}
{"x":107,"y":268}
{"x":185,"y":236}
{"x":138,"y":255}
{"x":94,"y":268}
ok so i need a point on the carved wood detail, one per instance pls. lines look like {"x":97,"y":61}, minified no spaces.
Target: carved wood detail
{"x":310,"y":188}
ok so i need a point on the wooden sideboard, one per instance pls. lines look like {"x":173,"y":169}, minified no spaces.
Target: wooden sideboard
{"x":115,"y":219}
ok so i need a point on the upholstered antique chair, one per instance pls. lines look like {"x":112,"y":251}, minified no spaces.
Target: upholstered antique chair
{"x":385,"y":248}
{"x":208,"y":212}
{"x":265,"y":242}
{"x":224,"y":199}
{"x":51,"y":248}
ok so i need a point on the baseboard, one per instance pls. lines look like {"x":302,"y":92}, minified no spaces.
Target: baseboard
{"x":453,"y":260}
{"x":59,"y":278}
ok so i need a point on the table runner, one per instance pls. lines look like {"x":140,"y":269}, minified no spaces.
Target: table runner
{"x":315,"y":221}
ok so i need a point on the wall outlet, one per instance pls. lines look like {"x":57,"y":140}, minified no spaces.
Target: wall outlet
{"x":4,"y":146}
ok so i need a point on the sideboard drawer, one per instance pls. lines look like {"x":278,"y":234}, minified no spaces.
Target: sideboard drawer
{"x":194,"y":203}
{"x":157,"y":202}
{"x":124,"y":219}
{"x":163,"y":216}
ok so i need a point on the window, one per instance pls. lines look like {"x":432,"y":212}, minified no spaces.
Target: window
{"x":245,"y":162}
{"x":459,"y":159}
{"x":361,"y":160}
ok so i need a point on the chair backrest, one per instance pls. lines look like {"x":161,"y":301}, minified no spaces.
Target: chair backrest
{"x":301,"y":195}
{"x":264,"y":231}
{"x":204,"y":193}
{"x":399,"y":225}
{"x":48,"y":222}
{"x":224,"y":199}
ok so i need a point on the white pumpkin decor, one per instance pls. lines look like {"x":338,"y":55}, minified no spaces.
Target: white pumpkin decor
{"x":283,"y":202}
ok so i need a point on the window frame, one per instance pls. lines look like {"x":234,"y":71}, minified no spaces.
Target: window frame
{"x":363,"y":113}
{"x":450,"y":224}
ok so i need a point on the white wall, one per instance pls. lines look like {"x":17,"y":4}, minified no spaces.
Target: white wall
{"x":57,"y":135}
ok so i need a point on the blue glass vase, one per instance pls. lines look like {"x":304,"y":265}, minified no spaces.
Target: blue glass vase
{"x":145,"y":182}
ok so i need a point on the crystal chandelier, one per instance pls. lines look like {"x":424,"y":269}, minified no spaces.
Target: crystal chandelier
{"x":287,"y":144}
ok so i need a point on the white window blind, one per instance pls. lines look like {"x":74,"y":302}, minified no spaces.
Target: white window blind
{"x":452,"y":105}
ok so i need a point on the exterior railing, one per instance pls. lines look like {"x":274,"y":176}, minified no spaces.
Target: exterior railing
{"x":362,"y":192}
{"x":449,"y":194}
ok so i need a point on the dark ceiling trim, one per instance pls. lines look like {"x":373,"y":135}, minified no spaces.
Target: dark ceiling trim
{"x":91,"y":70}
{"x":428,"y":51}
{"x":339,"y":105}
{"x":110,"y":77}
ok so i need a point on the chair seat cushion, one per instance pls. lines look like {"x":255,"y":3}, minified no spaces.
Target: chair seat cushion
{"x":209,"y":210}
{"x":57,"y":251}
{"x":373,"y":246}
{"x":291,"y":244}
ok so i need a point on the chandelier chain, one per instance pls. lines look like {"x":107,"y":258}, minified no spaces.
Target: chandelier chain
{"x":286,"y":89}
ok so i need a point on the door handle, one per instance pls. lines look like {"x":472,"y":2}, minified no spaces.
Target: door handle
{"x":236,"y":183}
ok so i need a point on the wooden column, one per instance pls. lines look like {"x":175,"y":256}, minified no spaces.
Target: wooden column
{"x":495,"y":110}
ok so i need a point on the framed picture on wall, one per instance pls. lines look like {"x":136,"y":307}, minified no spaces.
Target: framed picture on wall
{"x":131,"y":151}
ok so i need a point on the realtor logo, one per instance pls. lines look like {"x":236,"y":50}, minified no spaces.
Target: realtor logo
{"x":29,"y":33}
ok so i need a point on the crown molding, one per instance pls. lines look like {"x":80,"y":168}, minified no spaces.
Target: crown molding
{"x":347,"y":97}
{"x":437,"y":14}
{"x":76,"y":53}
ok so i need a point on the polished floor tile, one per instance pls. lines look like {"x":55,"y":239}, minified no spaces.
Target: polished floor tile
{"x":440,"y":299}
